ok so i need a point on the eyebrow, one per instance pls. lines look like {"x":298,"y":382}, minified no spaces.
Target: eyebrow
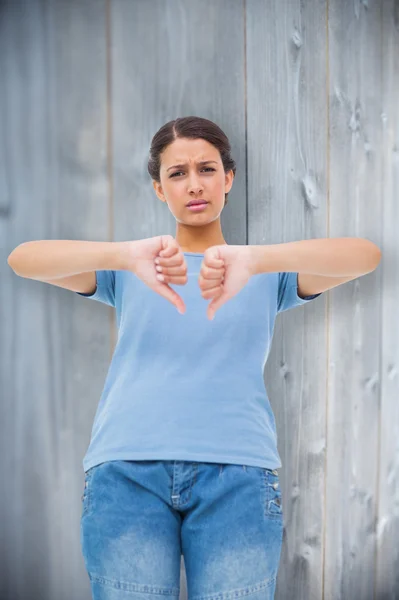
{"x":202,"y":162}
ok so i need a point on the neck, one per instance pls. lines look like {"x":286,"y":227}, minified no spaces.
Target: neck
{"x":199,"y":239}
{"x":200,"y":250}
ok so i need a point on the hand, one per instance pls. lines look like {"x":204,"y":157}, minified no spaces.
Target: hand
{"x":225,"y":270}
{"x":140,"y":256}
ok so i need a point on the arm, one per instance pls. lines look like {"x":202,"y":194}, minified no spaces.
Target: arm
{"x":52,"y":259}
{"x":336,"y":257}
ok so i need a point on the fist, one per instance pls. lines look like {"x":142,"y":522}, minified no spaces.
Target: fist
{"x":225,"y":270}
{"x":141,"y":260}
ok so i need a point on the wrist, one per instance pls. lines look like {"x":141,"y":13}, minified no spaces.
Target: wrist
{"x":272,"y":258}
{"x":121,"y":255}
{"x":255,"y":259}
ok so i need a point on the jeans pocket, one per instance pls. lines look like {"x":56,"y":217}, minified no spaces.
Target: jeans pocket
{"x":87,"y":491}
{"x":273,"y":498}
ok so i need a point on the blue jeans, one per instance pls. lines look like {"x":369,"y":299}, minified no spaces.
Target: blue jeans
{"x":139,"y":517}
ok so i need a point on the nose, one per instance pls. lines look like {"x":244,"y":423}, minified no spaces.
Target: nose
{"x":194,"y":185}
{"x":195,"y":188}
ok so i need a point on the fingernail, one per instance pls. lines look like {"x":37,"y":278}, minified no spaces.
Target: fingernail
{"x":157,"y":261}
{"x":160,"y":277}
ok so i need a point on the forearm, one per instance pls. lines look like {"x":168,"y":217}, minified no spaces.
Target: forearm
{"x":50,"y":259}
{"x":339,"y":257}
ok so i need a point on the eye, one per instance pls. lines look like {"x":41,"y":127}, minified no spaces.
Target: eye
{"x":177,"y":172}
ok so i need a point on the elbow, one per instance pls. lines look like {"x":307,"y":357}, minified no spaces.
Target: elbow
{"x":11,"y":260}
{"x":12,"y":267}
{"x":377,"y":255}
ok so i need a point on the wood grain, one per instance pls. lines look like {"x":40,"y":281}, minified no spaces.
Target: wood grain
{"x":307,"y":94}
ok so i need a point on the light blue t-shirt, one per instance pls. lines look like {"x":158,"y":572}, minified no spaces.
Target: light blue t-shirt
{"x":182,"y":387}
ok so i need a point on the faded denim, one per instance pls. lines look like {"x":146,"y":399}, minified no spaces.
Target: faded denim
{"x":138,"y":517}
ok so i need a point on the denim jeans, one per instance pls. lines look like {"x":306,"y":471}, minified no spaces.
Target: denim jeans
{"x":139,"y":517}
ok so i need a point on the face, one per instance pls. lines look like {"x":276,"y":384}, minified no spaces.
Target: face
{"x":192,"y":180}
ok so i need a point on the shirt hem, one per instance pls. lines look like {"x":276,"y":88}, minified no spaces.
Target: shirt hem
{"x":189,"y":457}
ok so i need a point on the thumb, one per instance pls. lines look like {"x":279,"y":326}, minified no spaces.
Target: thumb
{"x":163,"y":289}
{"x":216,"y":304}
{"x":167,"y":292}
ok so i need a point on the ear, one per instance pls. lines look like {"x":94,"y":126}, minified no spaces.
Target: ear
{"x":158,"y":190}
{"x":229,"y":181}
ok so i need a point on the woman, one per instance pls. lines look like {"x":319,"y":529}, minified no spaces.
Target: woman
{"x":183,"y":454}
{"x":192,"y":439}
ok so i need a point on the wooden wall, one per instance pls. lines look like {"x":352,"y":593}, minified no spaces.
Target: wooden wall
{"x":308,"y":94}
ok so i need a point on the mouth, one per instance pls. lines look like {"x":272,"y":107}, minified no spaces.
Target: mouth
{"x":197,"y":207}
{"x":196,"y":202}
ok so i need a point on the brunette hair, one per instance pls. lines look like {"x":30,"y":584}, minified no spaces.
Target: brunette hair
{"x":193,"y":128}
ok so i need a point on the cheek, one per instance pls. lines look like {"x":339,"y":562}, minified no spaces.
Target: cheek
{"x":219,"y":185}
{"x":219,"y":190}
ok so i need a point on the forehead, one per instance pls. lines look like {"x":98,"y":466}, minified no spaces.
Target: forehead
{"x":187,"y":151}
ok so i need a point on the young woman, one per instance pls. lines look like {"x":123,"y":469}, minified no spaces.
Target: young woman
{"x":183,"y":454}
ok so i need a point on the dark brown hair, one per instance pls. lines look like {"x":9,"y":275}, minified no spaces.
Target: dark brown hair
{"x":193,"y":128}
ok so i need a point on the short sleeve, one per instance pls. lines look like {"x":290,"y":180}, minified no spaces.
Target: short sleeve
{"x":105,"y":290}
{"x":288,"y":292}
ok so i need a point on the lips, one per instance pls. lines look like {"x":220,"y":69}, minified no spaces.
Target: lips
{"x":196,"y":202}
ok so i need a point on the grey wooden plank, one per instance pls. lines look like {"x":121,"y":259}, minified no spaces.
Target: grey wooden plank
{"x":354,"y":344}
{"x":7,"y":318}
{"x":25,"y":430}
{"x":57,"y":345}
{"x":287,"y":191}
{"x":84,"y":207}
{"x":387,"y":562}
{"x":182,"y":71}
